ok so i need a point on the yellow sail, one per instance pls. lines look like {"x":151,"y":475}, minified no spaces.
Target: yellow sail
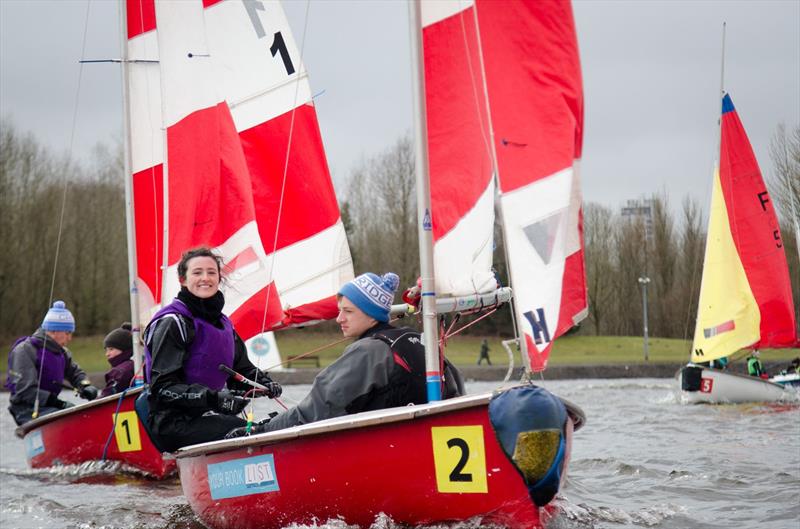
{"x":728,"y":317}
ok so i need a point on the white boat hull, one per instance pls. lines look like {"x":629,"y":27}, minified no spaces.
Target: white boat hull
{"x":700,"y":384}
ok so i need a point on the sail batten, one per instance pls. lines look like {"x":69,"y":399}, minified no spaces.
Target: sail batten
{"x":745,"y":296}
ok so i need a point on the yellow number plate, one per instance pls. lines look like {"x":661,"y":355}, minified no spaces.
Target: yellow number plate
{"x":460,"y":458}
{"x":127,"y":432}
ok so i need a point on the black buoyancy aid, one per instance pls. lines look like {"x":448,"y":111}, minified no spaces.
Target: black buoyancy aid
{"x":407,"y":383}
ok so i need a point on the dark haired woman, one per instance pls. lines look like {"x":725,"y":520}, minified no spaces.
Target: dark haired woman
{"x":191,"y":400}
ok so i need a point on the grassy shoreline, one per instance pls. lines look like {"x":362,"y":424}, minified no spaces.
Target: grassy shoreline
{"x":462,"y":350}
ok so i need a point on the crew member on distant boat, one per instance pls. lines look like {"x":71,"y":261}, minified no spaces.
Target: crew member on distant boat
{"x":39,"y":364}
{"x":118,"y":346}
{"x":191,"y":400}
{"x":719,"y":363}
{"x":754,"y":366}
{"x":384,"y":367}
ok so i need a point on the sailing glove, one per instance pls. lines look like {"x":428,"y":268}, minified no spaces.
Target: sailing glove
{"x":272,"y":390}
{"x":230,"y":402}
{"x":87,"y":390}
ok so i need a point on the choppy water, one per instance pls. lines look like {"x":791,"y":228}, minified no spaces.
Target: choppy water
{"x":643,"y":460}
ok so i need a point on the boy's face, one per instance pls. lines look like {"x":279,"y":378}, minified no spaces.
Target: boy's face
{"x":111,"y":352}
{"x":353,"y":321}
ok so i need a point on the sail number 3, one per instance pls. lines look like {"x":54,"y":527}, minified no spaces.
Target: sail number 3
{"x":460,"y":458}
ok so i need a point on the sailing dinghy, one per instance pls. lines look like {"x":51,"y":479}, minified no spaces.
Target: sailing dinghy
{"x":206,"y":164}
{"x":745,"y":294}
{"x":494,"y":458}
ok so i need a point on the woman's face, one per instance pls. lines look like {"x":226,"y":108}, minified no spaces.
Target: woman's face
{"x":202,"y":276}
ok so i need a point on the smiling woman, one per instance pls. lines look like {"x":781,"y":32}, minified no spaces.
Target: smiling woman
{"x":200,"y":272}
{"x":191,"y":400}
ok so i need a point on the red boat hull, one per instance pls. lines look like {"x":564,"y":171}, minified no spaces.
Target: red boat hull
{"x":80,"y":434}
{"x":401,"y":462}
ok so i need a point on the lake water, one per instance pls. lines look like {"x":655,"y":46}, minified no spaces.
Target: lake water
{"x":642,"y":460}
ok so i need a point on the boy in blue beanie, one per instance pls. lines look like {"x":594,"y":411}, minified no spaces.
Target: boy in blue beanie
{"x":45,"y":351}
{"x":382,"y":368}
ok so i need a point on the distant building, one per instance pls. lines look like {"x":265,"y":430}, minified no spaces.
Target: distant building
{"x":640,"y":210}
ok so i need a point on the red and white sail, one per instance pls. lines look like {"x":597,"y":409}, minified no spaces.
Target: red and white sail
{"x":226,"y":152}
{"x":504,"y":94}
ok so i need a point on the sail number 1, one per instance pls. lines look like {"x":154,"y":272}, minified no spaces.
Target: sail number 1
{"x":126,"y":431}
{"x":460,"y":458}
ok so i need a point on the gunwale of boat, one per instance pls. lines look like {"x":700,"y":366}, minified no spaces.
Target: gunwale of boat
{"x":361,"y":420}
{"x":29,"y":426}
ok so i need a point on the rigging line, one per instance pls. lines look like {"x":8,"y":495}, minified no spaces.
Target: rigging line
{"x":473,"y":322}
{"x":303,"y":355}
{"x":286,"y":167}
{"x":318,"y":349}
{"x":64,"y":193}
{"x":498,"y":191}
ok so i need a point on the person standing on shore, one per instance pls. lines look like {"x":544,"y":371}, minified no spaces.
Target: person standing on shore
{"x":39,"y":364}
{"x":484,"y":354}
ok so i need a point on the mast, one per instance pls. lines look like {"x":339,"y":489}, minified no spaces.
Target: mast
{"x":130,"y":227}
{"x":430,"y":334}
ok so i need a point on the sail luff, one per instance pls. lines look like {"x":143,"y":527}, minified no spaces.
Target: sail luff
{"x":130,"y":227}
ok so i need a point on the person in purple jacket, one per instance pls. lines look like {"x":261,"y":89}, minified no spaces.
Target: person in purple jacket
{"x":118,"y":346}
{"x":39,"y":364}
{"x":191,"y":400}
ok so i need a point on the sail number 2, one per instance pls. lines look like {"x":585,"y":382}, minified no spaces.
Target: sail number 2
{"x":460,"y":458}
{"x":126,"y":431}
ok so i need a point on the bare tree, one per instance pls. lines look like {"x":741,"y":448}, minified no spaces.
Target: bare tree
{"x":381,"y":213}
{"x":784,"y":149}
{"x":598,"y":233}
{"x":691,"y":250}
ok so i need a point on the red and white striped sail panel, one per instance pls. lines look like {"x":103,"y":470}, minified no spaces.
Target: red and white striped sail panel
{"x":234,"y":100}
{"x":527,"y":56}
{"x":756,"y":232}
{"x":459,"y":150}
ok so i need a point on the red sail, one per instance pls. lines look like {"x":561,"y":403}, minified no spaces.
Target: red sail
{"x":756,"y":233}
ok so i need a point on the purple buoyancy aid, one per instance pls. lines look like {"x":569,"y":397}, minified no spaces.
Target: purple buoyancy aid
{"x":210,"y":347}
{"x":52,"y":365}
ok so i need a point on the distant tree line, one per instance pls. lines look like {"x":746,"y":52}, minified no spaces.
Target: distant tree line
{"x":89,"y":259}
{"x":379,"y":213}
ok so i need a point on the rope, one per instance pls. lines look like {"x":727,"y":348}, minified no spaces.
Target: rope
{"x":114,"y":426}
{"x":64,"y":194}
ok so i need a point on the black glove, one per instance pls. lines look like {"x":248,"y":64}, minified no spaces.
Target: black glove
{"x":87,"y":391}
{"x":273,"y":390}
{"x":230,"y":402}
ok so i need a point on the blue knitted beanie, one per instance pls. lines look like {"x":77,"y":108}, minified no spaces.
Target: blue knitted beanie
{"x":58,"y":318}
{"x":372,"y":294}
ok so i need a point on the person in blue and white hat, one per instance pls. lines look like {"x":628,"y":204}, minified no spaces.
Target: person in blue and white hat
{"x":382,"y":368}
{"x":45,"y":351}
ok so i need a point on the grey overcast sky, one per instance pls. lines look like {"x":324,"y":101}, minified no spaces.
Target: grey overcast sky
{"x":651,"y":81}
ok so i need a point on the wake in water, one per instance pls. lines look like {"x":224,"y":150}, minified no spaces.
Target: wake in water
{"x":84,"y":472}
